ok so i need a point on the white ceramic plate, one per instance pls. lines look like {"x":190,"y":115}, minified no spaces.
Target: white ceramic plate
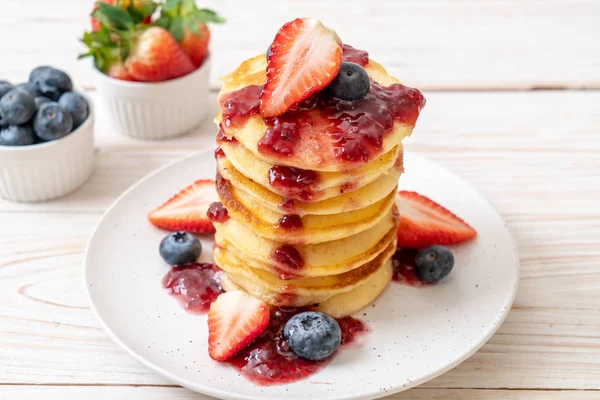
{"x":417,"y":333}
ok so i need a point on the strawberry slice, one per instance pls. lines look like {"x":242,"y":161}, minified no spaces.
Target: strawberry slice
{"x":235,"y":319}
{"x":305,"y":57}
{"x":424,"y":223}
{"x":186,"y":211}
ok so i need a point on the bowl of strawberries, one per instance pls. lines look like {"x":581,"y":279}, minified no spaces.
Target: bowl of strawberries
{"x":152,"y":62}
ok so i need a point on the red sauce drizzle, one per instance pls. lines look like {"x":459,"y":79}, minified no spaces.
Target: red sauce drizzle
{"x":399,"y":163}
{"x":217,"y":212}
{"x":240,"y":104}
{"x":269,"y":360}
{"x":194,"y":286}
{"x":219,"y":153}
{"x":221,"y":182}
{"x":346,"y":187}
{"x":294,"y":183}
{"x":351,"y":54}
{"x":289,"y":257}
{"x":403,"y":263}
{"x":221,"y":137}
{"x":287,"y":205}
{"x":280,"y":138}
{"x":290,"y":222}
{"x":355,"y":128}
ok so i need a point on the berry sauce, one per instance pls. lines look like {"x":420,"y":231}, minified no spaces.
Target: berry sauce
{"x":293,"y":183}
{"x":195,"y":286}
{"x":351,"y":54}
{"x":221,"y":137}
{"x":219,"y":153}
{"x":290,"y":222}
{"x":240,"y":104}
{"x":399,"y":163}
{"x":287,"y":205}
{"x":403,"y":263}
{"x":269,"y":360}
{"x":288,"y":256}
{"x":217,"y":212}
{"x":350,"y":131}
{"x":280,"y":138}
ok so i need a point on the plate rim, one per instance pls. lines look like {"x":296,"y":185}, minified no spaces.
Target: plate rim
{"x":207,"y":390}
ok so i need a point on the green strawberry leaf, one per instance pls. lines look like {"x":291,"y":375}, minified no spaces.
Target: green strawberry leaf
{"x":124,"y":52}
{"x":171,"y":8}
{"x":207,"y":15}
{"x":87,"y":39}
{"x":136,"y":15}
{"x":112,"y":16}
{"x":163,"y":22}
{"x":176,"y":28}
{"x":188,"y":7}
{"x":192,"y":25}
{"x":148,"y":7}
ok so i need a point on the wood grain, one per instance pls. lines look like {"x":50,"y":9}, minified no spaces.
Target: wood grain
{"x":160,"y":393}
{"x":431,"y":44}
{"x":534,"y":154}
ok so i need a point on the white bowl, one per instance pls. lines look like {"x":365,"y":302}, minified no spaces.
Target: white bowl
{"x":48,"y":170}
{"x":155,"y":110}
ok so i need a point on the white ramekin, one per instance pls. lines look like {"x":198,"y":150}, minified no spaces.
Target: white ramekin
{"x":155,"y":110}
{"x":48,"y":170}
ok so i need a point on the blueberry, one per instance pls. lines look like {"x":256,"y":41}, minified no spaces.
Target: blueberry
{"x":17,"y":107}
{"x":268,"y":52}
{"x":351,"y":83}
{"x":76,"y":104}
{"x":51,"y":82}
{"x":180,"y":248}
{"x":52,"y":122}
{"x":39,"y":100}
{"x":5,"y":87}
{"x":34,"y":75}
{"x":28,"y":87}
{"x":312,"y":335}
{"x":434,"y":263}
{"x":17,"y":135}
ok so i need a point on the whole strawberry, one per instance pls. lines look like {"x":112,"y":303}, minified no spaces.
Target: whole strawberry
{"x":155,"y":56}
{"x":188,"y":25}
{"x":129,"y":50}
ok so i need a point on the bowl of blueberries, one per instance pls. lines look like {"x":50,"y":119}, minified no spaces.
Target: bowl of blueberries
{"x":46,"y":137}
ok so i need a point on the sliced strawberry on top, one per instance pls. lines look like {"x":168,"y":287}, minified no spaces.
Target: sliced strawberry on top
{"x":424,"y":223}
{"x":186,"y":211}
{"x":305,"y":57}
{"x":235,"y":319}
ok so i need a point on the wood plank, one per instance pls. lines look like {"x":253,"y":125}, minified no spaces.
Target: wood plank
{"x":433,"y":44}
{"x":160,"y":393}
{"x":533,"y":153}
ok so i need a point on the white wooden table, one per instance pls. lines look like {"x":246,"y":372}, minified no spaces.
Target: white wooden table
{"x":534,"y":153}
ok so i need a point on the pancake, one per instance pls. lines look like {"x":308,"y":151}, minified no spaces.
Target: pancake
{"x":347,"y":303}
{"x":315,"y":148}
{"x":326,"y":184}
{"x":314,"y":229}
{"x":297,"y":292}
{"x":328,"y":258}
{"x":310,"y":193}
{"x":361,"y":296}
{"x":344,"y":202}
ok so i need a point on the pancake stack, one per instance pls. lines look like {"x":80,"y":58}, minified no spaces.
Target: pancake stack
{"x":311,"y":218}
